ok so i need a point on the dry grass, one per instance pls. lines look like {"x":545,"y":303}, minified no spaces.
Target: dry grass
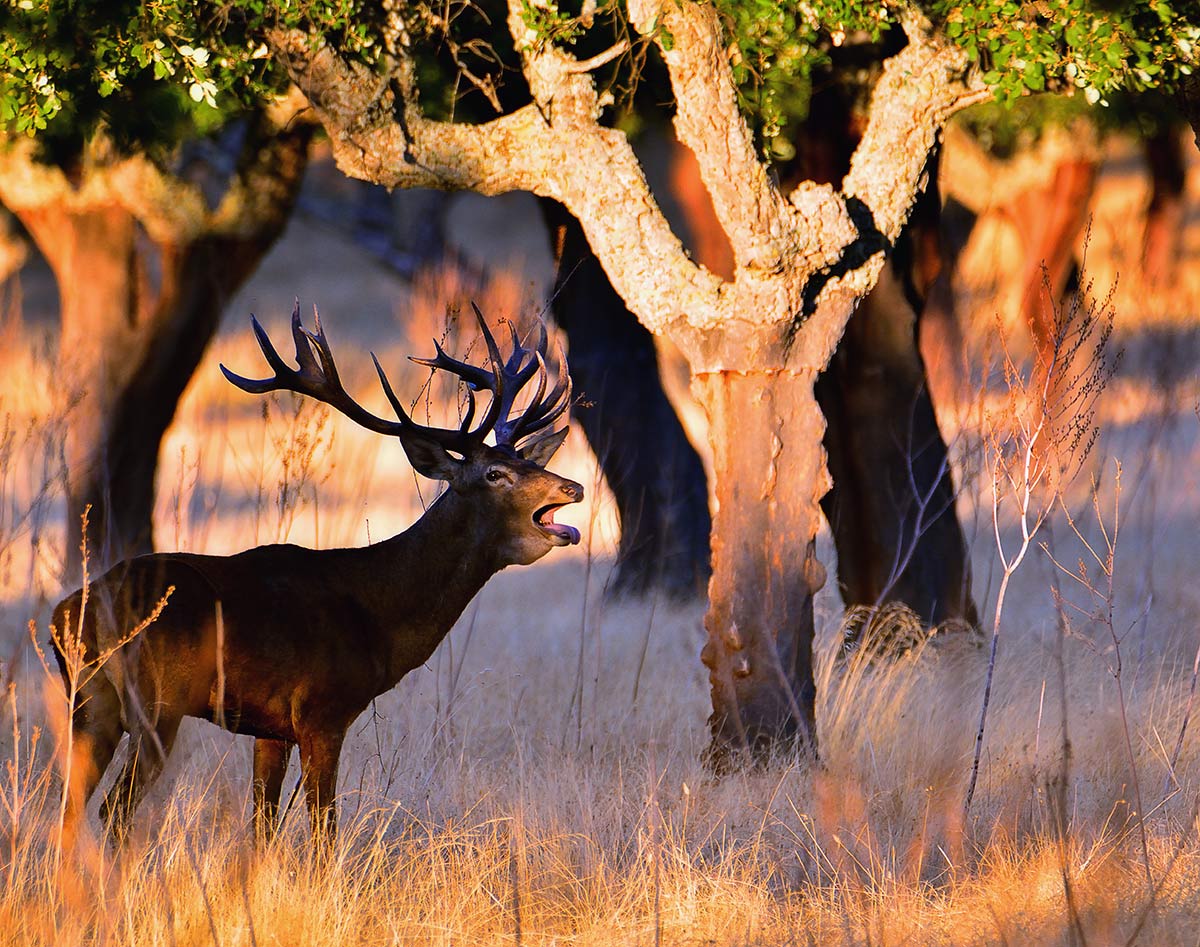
{"x":538,"y":781}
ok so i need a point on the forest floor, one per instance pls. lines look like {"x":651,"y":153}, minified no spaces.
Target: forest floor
{"x":539,"y":781}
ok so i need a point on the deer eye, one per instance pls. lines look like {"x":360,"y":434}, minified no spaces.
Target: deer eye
{"x":495,"y":475}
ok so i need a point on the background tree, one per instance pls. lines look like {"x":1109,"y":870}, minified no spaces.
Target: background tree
{"x":654,"y":473}
{"x":146,"y":245}
{"x":757,"y":342}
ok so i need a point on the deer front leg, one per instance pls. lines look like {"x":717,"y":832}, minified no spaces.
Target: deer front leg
{"x":149,"y":748}
{"x":319,"y":754}
{"x":270,"y":765}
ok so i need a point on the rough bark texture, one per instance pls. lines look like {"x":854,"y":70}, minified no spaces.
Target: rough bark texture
{"x":654,"y":473}
{"x":801,"y":264}
{"x":144,"y":269}
{"x":765,"y":572}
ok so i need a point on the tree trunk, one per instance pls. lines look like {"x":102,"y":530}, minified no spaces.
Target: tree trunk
{"x":1050,"y":220}
{"x":104,"y":297}
{"x":654,"y":473}
{"x":141,"y":289}
{"x":1164,"y":214}
{"x":891,"y":508}
{"x":765,"y":429}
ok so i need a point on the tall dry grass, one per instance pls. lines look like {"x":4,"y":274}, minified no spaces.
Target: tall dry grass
{"x":538,"y":782}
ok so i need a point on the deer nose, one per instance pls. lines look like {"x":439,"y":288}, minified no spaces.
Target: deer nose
{"x":573,"y":490}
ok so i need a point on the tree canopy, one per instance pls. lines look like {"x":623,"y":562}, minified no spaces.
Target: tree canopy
{"x":155,"y":71}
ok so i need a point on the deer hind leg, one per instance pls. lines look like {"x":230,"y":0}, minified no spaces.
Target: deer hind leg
{"x":270,"y":765}
{"x":319,"y":765}
{"x":149,"y":747}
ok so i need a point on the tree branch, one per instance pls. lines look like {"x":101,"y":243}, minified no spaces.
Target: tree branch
{"x":553,"y":147}
{"x":752,"y":210}
{"x":920,"y":88}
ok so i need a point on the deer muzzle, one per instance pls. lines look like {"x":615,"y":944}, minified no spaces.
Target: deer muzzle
{"x":561,"y":534}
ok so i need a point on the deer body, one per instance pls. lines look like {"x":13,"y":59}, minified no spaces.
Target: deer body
{"x":289,"y":645}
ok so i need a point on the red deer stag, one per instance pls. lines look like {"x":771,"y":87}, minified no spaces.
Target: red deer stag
{"x":290,"y":645}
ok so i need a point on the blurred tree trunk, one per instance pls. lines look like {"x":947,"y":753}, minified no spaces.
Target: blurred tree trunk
{"x":144,"y":268}
{"x":891,"y":508}
{"x":654,"y":473}
{"x":1050,"y":220}
{"x":1164,"y":214}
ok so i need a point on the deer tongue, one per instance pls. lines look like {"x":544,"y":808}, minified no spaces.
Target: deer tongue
{"x":569,"y":534}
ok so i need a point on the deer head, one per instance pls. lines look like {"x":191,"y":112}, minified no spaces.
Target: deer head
{"x":505,"y":483}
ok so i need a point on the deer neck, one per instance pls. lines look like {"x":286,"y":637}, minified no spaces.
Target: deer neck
{"x":423,"y":578}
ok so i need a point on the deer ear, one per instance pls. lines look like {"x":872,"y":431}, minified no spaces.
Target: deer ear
{"x":429,"y":458}
{"x":542,"y":449}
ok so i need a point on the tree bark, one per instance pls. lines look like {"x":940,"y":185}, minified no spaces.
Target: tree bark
{"x":653,"y":471}
{"x":144,"y":270}
{"x":800,"y":263}
{"x":765,"y":429}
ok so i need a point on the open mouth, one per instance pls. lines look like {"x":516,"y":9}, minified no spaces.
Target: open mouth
{"x":560,"y":533}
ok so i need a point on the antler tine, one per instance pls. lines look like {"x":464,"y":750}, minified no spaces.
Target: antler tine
{"x":405,"y":420}
{"x":507,"y":430}
{"x":504,"y":381}
{"x":469,"y":416}
{"x":317,"y":376}
{"x":517,"y":367}
{"x":458,"y":440}
{"x":263,"y":385}
{"x":546,"y":411}
{"x":490,"y":341}
{"x":518,"y":351}
{"x":503,"y":392}
{"x":543,"y":411}
{"x":473,"y":375}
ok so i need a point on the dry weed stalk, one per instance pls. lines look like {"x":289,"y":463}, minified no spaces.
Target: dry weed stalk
{"x":74,"y":672}
{"x":1098,"y":588}
{"x":1039,"y":440}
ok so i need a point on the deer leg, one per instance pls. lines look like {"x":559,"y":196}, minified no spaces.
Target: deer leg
{"x":148,"y":752}
{"x":270,"y":765}
{"x":319,"y":765}
{"x":95,"y":732}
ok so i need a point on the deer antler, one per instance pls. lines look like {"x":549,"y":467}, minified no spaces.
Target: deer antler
{"x":318,"y":378}
{"x":506,"y":381}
